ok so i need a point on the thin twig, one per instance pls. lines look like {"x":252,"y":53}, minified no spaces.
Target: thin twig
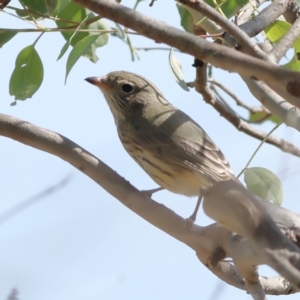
{"x":154,"y":48}
{"x":238,"y":101}
{"x":241,"y":37}
{"x":245,"y":127}
{"x":29,"y":11}
{"x":12,"y":212}
{"x":12,"y":15}
{"x":219,"y":96}
{"x":260,"y":145}
{"x":136,"y":4}
{"x":37,"y":39}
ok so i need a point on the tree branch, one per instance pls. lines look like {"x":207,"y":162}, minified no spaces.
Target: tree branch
{"x":254,"y":223}
{"x":287,"y":41}
{"x":289,"y":114}
{"x":242,"y":125}
{"x":204,"y":240}
{"x":238,"y":101}
{"x":266,"y":17}
{"x":243,"y":39}
{"x":279,"y":79}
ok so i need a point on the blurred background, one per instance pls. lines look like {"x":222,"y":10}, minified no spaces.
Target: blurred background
{"x":79,"y":242}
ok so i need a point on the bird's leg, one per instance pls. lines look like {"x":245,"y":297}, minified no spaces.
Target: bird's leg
{"x":191,"y":220}
{"x":150,"y":192}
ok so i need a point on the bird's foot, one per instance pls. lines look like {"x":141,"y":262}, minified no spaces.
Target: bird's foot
{"x":149,"y":193}
{"x":189,"y":222}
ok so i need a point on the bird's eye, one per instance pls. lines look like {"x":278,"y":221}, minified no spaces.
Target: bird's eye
{"x":127,"y":88}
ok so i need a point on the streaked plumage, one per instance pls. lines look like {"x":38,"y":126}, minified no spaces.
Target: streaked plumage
{"x":171,"y":147}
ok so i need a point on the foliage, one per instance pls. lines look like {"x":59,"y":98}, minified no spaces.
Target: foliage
{"x":264,"y":184}
{"x":77,"y":25}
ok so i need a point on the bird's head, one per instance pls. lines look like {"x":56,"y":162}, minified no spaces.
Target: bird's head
{"x":127,"y":93}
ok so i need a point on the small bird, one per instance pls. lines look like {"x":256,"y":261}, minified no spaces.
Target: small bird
{"x":167,"y":144}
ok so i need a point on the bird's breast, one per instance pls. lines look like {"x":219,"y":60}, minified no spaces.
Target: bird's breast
{"x":172,"y":177}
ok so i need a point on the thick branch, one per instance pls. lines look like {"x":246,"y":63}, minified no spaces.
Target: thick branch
{"x":292,"y":13}
{"x":289,"y":114}
{"x":245,"y":13}
{"x":278,"y":78}
{"x":204,"y":240}
{"x":245,"y":127}
{"x":255,"y":224}
{"x":266,"y":17}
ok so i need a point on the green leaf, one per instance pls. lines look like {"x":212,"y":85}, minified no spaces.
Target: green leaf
{"x":176,"y":70}
{"x":63,"y":50}
{"x":186,"y":18}
{"x":25,"y":15}
{"x":28,"y":74}
{"x":78,"y":50}
{"x":277,"y":30}
{"x":61,"y":4}
{"x":264,"y":184}
{"x":228,"y":8}
{"x":78,"y":14}
{"x":68,"y":43}
{"x":294,"y":63}
{"x":6,"y":36}
{"x":101,"y":41}
{"x":259,"y":115}
{"x":231,"y":7}
{"x":45,"y":7}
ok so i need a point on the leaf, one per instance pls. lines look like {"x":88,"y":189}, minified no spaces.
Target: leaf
{"x":78,"y":50}
{"x":186,"y":18}
{"x":101,"y":41}
{"x":228,"y":7}
{"x":78,"y":14}
{"x":259,"y":115}
{"x":25,"y":15}
{"x":231,"y":7}
{"x":67,"y":44}
{"x":176,"y":70}
{"x":277,"y":30}
{"x":120,"y":32}
{"x":294,"y":63}
{"x":45,"y":7}
{"x":6,"y":36}
{"x":264,"y":184}
{"x":61,"y":4}
{"x":28,"y":74}
{"x":63,"y":50}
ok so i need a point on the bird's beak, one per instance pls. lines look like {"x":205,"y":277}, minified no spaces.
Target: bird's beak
{"x":99,"y":82}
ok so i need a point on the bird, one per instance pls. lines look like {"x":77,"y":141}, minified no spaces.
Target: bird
{"x":166,"y":143}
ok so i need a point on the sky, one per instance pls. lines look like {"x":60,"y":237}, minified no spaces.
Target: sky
{"x":79,"y":242}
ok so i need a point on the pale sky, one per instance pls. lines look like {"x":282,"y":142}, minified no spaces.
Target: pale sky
{"x":80,"y":243}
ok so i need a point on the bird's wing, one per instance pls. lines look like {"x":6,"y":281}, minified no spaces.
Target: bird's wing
{"x":188,"y":146}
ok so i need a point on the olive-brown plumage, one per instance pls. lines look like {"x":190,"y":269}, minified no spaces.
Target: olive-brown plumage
{"x":171,"y":147}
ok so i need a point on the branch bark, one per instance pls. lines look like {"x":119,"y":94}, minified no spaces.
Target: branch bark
{"x":281,"y":80}
{"x":209,"y":241}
